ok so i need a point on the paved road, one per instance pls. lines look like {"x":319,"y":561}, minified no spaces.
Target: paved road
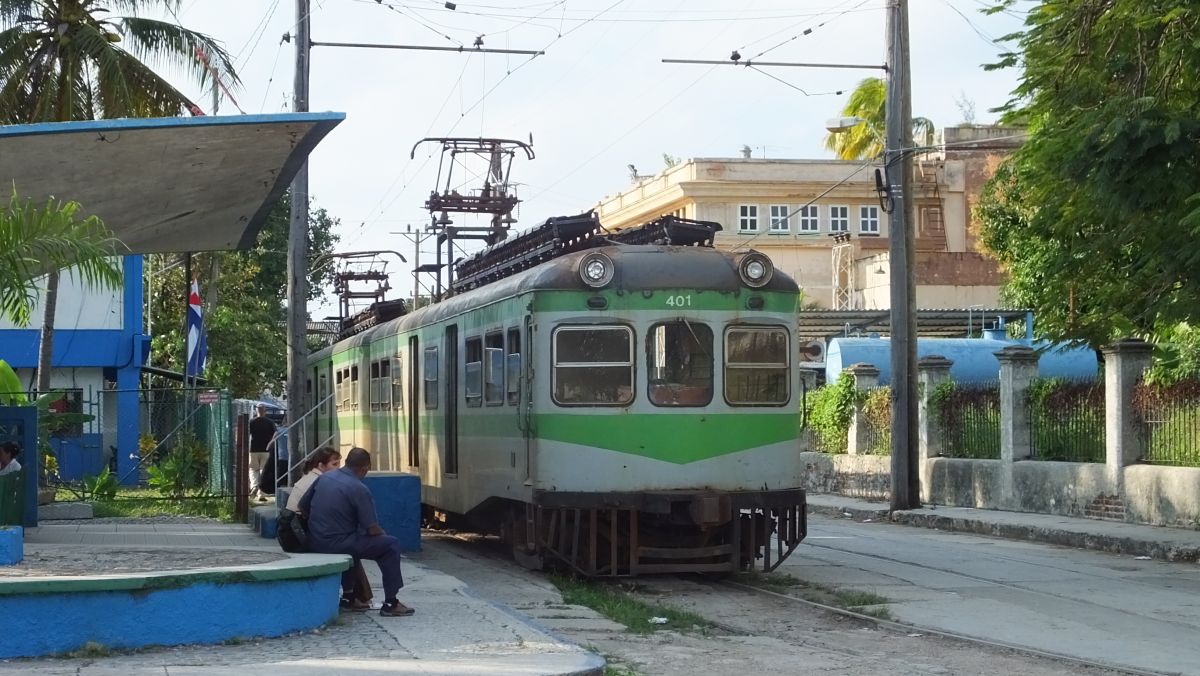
{"x":1117,"y":609}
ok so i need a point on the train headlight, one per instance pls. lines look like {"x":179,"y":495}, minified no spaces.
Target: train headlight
{"x":755,"y":269}
{"x":596,"y":269}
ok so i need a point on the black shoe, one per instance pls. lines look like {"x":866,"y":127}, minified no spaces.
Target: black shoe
{"x":395,"y":609}
{"x":349,"y":605}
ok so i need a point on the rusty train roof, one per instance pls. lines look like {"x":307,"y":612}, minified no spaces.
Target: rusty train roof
{"x":637,"y":268}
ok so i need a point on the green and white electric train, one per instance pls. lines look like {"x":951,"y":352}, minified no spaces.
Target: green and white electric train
{"x":618,"y":408}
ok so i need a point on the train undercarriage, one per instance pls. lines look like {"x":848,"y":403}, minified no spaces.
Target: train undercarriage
{"x":630,"y":534}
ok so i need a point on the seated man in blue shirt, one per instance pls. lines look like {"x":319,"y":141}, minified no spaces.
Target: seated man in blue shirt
{"x":341,"y":520}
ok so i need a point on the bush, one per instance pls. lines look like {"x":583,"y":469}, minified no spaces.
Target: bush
{"x":184,"y":469}
{"x":830,"y":410}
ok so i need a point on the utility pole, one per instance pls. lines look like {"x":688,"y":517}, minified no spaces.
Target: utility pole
{"x":906,"y":489}
{"x":297,"y":267}
{"x":417,"y":238}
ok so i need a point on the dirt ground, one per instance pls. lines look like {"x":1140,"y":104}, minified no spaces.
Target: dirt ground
{"x":755,"y":633}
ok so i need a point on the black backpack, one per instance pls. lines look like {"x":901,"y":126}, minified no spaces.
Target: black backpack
{"x":292,"y":531}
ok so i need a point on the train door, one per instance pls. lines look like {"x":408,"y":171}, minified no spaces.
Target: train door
{"x":413,"y":409}
{"x":451,"y":421}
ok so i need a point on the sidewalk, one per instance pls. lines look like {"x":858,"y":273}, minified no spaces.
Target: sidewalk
{"x":453,"y":631}
{"x":1159,"y":542}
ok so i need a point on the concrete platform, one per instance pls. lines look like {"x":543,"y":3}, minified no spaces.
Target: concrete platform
{"x":453,"y":632}
{"x":1158,"y":542}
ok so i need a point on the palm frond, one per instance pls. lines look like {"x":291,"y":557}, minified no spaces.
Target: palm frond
{"x":11,"y":10}
{"x":170,"y":44}
{"x":36,"y":240}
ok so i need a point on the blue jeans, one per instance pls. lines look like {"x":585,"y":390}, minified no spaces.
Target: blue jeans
{"x":384,"y":550}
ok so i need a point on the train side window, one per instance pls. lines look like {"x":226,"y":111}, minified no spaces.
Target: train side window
{"x":593,"y":365}
{"x":513,"y":367}
{"x":323,"y":393}
{"x":493,"y":369}
{"x":756,"y":366}
{"x":397,"y":384}
{"x":354,"y":387}
{"x":385,"y":390}
{"x":339,"y":401}
{"x":679,"y":364}
{"x":473,"y":372}
{"x":431,"y":377}
{"x":373,"y":393}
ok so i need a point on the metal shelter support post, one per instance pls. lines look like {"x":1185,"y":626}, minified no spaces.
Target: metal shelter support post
{"x":297,"y":267}
{"x":906,"y":492}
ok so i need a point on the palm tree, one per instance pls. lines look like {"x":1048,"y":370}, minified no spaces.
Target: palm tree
{"x":63,"y":60}
{"x":35,"y":240}
{"x":868,"y":102}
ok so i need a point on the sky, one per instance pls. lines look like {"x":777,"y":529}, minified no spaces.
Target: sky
{"x":598,"y":100}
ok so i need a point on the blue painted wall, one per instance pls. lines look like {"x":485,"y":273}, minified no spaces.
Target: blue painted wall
{"x":121,"y":353}
{"x":398,"y":506}
{"x":46,"y":624}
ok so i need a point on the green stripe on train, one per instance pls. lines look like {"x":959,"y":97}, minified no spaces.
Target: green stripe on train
{"x":666,"y":300}
{"x":677,"y":438}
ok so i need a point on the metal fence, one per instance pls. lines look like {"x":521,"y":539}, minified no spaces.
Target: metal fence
{"x":175,"y":418}
{"x":1066,"y":420}
{"x":968,"y":417}
{"x":1170,"y":422}
{"x":875,"y":407}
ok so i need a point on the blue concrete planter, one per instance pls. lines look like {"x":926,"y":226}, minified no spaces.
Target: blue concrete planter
{"x":51,"y":615}
{"x":12,"y":545}
{"x":398,"y":506}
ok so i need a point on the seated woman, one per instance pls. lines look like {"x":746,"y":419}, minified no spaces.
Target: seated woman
{"x":326,"y":459}
{"x":9,"y":451}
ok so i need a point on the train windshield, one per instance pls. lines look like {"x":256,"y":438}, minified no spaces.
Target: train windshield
{"x":680,"y":362}
{"x":593,"y":365}
{"x":756,"y":366}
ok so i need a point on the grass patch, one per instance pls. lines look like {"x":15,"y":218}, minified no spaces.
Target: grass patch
{"x":147,"y":502}
{"x":851,"y":598}
{"x":623,"y":608}
{"x":91,"y":649}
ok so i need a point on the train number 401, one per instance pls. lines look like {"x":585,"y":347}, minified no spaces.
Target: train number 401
{"x":679,"y":301}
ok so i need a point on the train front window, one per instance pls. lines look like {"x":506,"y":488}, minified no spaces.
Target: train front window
{"x":593,"y":365}
{"x":680,"y":364}
{"x":756,"y":366}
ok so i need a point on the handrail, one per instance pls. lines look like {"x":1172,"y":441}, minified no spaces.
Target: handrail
{"x":272,"y":446}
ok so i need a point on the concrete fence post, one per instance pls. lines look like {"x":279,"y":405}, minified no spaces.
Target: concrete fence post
{"x":1018,"y":368}
{"x":865,"y":377}
{"x":932,"y":371}
{"x":1124,"y":363}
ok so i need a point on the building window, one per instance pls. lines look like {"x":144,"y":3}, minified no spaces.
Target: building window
{"x":593,"y":365}
{"x":748,"y":218}
{"x":780,"y":218}
{"x":810,"y":218}
{"x":868,"y":220}
{"x":839,"y":219}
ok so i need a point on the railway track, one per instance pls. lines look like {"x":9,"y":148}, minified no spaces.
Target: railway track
{"x":706,"y":596}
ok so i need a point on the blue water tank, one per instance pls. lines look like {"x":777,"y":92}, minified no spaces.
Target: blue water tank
{"x":974,"y":358}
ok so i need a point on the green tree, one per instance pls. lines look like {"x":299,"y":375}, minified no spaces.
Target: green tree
{"x":63,"y":60}
{"x":865,"y":141}
{"x":35,"y":240}
{"x":1096,"y":218}
{"x":245,"y":314}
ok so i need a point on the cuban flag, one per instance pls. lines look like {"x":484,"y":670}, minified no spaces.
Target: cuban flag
{"x":197,"y":344}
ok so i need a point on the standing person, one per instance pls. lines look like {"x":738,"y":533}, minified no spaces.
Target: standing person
{"x":262,"y":430}
{"x":9,"y":451}
{"x":342,"y":520}
{"x":274,"y":472}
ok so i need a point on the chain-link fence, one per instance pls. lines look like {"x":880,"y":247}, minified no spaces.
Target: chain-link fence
{"x":188,"y":421}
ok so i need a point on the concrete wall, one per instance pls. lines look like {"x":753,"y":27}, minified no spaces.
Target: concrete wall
{"x":1162,"y":495}
{"x":861,"y":476}
{"x":963,"y":483}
